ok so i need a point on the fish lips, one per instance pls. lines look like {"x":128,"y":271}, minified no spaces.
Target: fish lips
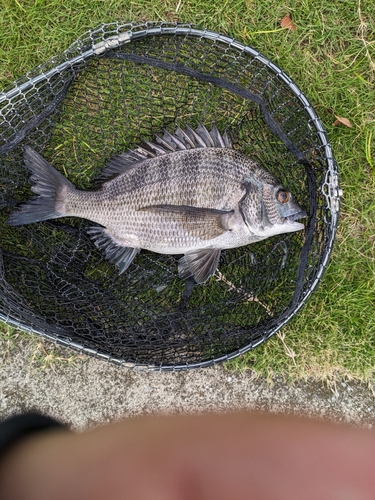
{"x":291,"y":211}
{"x":299,"y":215}
{"x":292,"y":223}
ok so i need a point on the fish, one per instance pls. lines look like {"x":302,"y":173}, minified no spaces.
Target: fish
{"x":186,"y":193}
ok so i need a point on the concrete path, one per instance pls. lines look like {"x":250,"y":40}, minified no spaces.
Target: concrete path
{"x":88,"y":392}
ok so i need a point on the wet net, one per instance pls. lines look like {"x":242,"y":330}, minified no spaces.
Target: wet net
{"x":120,"y":84}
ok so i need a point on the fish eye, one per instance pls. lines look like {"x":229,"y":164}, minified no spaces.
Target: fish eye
{"x":282,"y":196}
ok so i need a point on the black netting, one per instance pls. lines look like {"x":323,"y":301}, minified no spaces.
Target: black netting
{"x":116,"y":86}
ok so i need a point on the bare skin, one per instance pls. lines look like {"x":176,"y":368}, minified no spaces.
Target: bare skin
{"x":221,"y":457}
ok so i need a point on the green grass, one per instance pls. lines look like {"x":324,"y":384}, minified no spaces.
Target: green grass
{"x":331,"y":56}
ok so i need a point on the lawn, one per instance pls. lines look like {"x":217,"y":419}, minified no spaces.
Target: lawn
{"x":331,"y":56}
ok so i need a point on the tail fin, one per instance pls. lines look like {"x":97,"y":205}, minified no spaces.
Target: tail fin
{"x":49,"y":184}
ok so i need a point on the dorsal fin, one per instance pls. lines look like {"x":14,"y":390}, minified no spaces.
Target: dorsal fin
{"x":205,"y":135}
{"x":195,"y":137}
{"x":184,"y":137}
{"x":166,"y":144}
{"x":174,"y":141}
{"x":120,"y":164}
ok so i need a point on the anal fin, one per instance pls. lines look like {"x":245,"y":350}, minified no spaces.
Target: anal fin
{"x":201,"y":264}
{"x":120,"y":255}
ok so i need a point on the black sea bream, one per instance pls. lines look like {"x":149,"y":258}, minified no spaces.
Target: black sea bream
{"x":185,"y":193}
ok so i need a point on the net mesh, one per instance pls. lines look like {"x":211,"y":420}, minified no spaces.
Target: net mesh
{"x":116,"y":86}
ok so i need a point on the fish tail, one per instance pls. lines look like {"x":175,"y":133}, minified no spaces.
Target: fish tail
{"x":51,"y":186}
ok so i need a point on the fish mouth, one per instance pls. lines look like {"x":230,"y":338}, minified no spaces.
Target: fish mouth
{"x":296,"y":216}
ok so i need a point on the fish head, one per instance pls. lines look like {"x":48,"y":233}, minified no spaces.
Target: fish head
{"x":268,"y":208}
{"x":280,"y":211}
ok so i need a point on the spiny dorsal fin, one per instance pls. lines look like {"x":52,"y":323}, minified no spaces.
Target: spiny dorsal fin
{"x":191,"y":139}
{"x":217,"y":138}
{"x":195,"y":137}
{"x":184,"y":137}
{"x":174,"y":141}
{"x":166,"y":144}
{"x":205,"y":135}
{"x":121,"y":163}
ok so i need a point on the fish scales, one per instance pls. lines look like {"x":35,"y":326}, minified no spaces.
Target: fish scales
{"x":178,"y":199}
{"x":189,"y":178}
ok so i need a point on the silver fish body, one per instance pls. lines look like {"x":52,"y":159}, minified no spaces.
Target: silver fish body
{"x":188,"y":193}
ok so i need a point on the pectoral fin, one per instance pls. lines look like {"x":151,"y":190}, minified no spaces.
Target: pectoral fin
{"x":199,"y":263}
{"x":120,"y":255}
{"x":204,"y":223}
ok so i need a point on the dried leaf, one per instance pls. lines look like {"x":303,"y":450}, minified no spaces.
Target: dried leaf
{"x":344,"y":121}
{"x":286,"y":22}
